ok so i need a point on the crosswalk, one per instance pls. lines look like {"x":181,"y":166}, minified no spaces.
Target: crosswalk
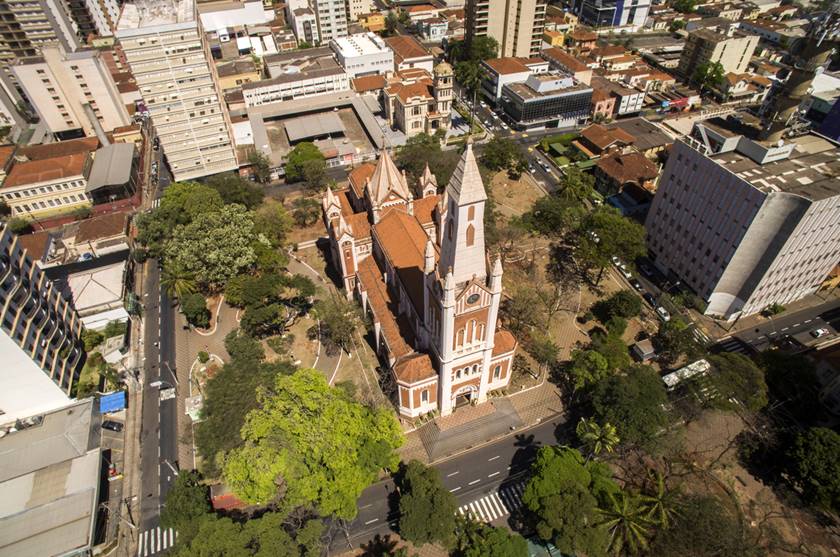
{"x":495,"y":505}
{"x":156,"y":203}
{"x":733,"y":344}
{"x":155,"y":541}
{"x":701,"y":337}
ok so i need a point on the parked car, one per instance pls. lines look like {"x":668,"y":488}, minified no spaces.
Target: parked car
{"x":615,"y":260}
{"x":625,"y":271}
{"x":649,"y":298}
{"x":112,"y":425}
{"x":663,"y":314}
{"x":817,"y":333}
{"x":646,"y":270}
{"x":636,"y":284}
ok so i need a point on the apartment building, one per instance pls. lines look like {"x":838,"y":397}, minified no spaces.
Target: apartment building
{"x":171,"y":62}
{"x":516,"y":25}
{"x":40,"y":337}
{"x":363,"y":54}
{"x":630,"y":15}
{"x":727,"y":46}
{"x":305,"y":25}
{"x":70,"y":90}
{"x":746,"y":224}
{"x":355,"y":8}
{"x":27,"y":26}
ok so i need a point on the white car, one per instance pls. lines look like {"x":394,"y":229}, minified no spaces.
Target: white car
{"x":616,"y":261}
{"x":817,"y":333}
{"x":625,"y":271}
{"x":663,"y":314}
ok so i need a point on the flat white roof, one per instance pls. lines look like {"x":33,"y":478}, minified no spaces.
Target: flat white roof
{"x":152,"y":13}
{"x":360,"y":44}
{"x":97,"y":287}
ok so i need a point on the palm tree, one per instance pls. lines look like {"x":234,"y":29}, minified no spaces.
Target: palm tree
{"x":177,"y":281}
{"x":660,"y":504}
{"x":626,"y":523}
{"x":596,"y":438}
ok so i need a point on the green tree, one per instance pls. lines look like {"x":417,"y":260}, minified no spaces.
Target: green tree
{"x":676,"y":25}
{"x":483,"y":48}
{"x":544,"y":350}
{"x":563,"y":494}
{"x":596,"y":438}
{"x":421,"y":150}
{"x":815,"y":466}
{"x":613,"y":349}
{"x":306,"y":211}
{"x":684,"y":6}
{"x":261,"y":166}
{"x":633,"y":402}
{"x":314,"y":175}
{"x":214,"y":247}
{"x":674,"y":340}
{"x":309,"y":443}
{"x":302,"y":152}
{"x":233,"y":188}
{"x":522,"y":310}
{"x":503,"y":154}
{"x":5,"y":210}
{"x":623,"y":303}
{"x":553,"y":216}
{"x":469,"y":74}
{"x":616,"y":326}
{"x":194,"y":308}
{"x":737,"y":376}
{"x":662,"y":505}
{"x":605,"y":233}
{"x":274,"y":222}
{"x":628,"y":527}
{"x":177,"y":281}
{"x":338,"y":321}
{"x":391,"y":22}
{"x":186,"y":502}
{"x":91,"y":339}
{"x":703,"y":528}
{"x":477,"y":539}
{"x":577,"y":186}
{"x":587,"y":368}
{"x":19,"y":225}
{"x":792,"y":378}
{"x":426,"y":507}
{"x":708,"y":75}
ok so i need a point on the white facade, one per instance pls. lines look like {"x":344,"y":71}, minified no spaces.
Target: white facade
{"x":167,"y":53}
{"x":216,"y":16}
{"x":355,"y":8}
{"x":305,"y":26}
{"x":332,"y":18}
{"x":295,"y":86}
{"x":363,"y":54}
{"x":105,"y":14}
{"x":60,"y":85}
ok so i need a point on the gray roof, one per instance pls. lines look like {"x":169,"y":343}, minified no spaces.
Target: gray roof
{"x":315,"y":125}
{"x":111,"y":166}
{"x":648,"y":135}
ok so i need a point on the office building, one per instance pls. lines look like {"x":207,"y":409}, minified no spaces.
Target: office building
{"x":549,"y":100}
{"x":629,"y":16}
{"x":71,"y":90}
{"x":499,"y":72}
{"x":727,"y":46}
{"x":167,"y":53}
{"x":40,"y":337}
{"x":746,"y":224}
{"x":50,"y":468}
{"x":330,"y":15}
{"x":517,"y":25}
{"x":363,"y":54}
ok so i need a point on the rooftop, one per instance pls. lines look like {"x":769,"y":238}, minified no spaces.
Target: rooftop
{"x":361,"y":44}
{"x":152,"y":13}
{"x":46,"y":170}
{"x":560,"y":56}
{"x":646,"y":135}
{"x":105,"y":226}
{"x":504,"y":66}
{"x":406,"y":47}
{"x":525,"y":92}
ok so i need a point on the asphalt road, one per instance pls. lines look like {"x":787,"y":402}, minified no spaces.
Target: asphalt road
{"x":797,"y":324}
{"x":469,"y":476}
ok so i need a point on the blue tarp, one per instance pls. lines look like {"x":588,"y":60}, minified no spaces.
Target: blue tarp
{"x":112,"y":402}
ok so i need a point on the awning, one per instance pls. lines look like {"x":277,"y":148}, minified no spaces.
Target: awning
{"x":112,"y":402}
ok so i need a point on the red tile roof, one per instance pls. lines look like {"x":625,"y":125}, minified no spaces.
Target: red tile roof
{"x":414,"y":369}
{"x":403,"y":241}
{"x":368,"y":83}
{"x":631,"y":167}
{"x":406,"y":47}
{"x":359,"y":176}
{"x":44,"y":170}
{"x":105,"y":226}
{"x":503,"y":342}
{"x":503,"y":66}
{"x":424,"y":208}
{"x":60,"y":149}
{"x":370,"y":277}
{"x":565,"y":59}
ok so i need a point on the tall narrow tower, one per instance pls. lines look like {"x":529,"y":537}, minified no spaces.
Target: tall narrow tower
{"x":443,"y":88}
{"x":462,"y":242}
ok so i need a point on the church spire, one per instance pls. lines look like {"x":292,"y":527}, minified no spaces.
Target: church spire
{"x":466,"y":186}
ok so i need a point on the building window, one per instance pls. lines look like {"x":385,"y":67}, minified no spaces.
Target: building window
{"x":497,"y":373}
{"x":424,"y":396}
{"x":470,"y":235}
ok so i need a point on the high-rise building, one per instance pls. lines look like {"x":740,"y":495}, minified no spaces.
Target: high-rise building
{"x":726,"y":46}
{"x":330,"y":16}
{"x":614,"y":13}
{"x":71,"y":90}
{"x":27,"y":26}
{"x":40,"y":337}
{"x":517,"y":25}
{"x":171,"y":62}
{"x":355,"y":8}
{"x":747,"y":224}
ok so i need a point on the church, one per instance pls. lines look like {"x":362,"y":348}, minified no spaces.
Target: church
{"x":420,"y":270}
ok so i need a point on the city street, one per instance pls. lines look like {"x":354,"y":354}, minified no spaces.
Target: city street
{"x":798,"y":325}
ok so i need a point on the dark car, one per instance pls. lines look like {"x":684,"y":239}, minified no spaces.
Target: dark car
{"x":636,"y":284}
{"x":646,"y":269}
{"x":649,"y":298}
{"x":112,"y":425}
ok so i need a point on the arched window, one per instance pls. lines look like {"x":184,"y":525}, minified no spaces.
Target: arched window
{"x":481,"y":331}
{"x":471,"y":212}
{"x":497,"y":372}
{"x":458,"y":374}
{"x":470,"y":235}
{"x":471,"y":330}
{"x":475,"y":368}
{"x":459,"y":338}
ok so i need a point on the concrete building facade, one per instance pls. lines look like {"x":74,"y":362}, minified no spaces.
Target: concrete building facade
{"x":631,"y":15}
{"x":171,"y":62}
{"x":747,"y":225}
{"x":363,"y":54}
{"x":417,"y":103}
{"x":730,"y":48}
{"x":67,"y":89}
{"x":40,"y":337}
{"x":517,"y":25}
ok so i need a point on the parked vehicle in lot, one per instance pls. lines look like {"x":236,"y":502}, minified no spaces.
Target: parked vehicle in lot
{"x":531,"y":168}
{"x":817,"y":333}
{"x":663,"y":314}
{"x":636,"y":284}
{"x":649,"y":298}
{"x":112,"y":425}
{"x":625,"y":271}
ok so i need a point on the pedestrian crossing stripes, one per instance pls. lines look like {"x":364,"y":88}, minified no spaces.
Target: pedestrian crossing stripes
{"x":732,"y":344}
{"x":156,"y":540}
{"x":156,"y":203}
{"x":496,"y":504}
{"x":701,"y":337}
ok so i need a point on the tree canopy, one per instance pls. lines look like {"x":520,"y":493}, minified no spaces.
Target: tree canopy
{"x":298,"y":157}
{"x":233,"y":188}
{"x":194,"y":308}
{"x":186,"y":502}
{"x":427,"y":508}
{"x":623,"y":303}
{"x":423,"y":149}
{"x":605,"y":233}
{"x":815,"y":466}
{"x":737,"y":376}
{"x":703,"y":528}
{"x":501,"y":153}
{"x":310,"y":443}
{"x":338,"y":320}
{"x":477,"y":539}
{"x":674,"y":340}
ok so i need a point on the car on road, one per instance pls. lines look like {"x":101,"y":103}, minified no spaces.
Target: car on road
{"x":625,"y":271}
{"x":636,"y":284}
{"x":544,"y":165}
{"x":663,"y":313}
{"x":531,"y":168}
{"x":112,"y":425}
{"x":615,"y":260}
{"x":818,"y":333}
{"x":649,"y":298}
{"x":645,"y":269}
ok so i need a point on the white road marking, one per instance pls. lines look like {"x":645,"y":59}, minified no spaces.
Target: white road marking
{"x":454,"y":489}
{"x":494,"y":505}
{"x":474,"y":482}
{"x":371,"y":521}
{"x":797,"y":324}
{"x":785,"y":329}
{"x":808,"y":320}
{"x":455,"y":473}
{"x":493,"y":474}
{"x":494,"y":458}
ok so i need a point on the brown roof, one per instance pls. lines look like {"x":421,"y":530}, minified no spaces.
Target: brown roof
{"x":368,"y":83}
{"x":370,"y":277}
{"x":403,"y":241}
{"x":359,"y":224}
{"x":420,"y":8}
{"x":601,"y":137}
{"x":35,"y":244}
{"x":44,"y":170}
{"x":414,"y":369}
{"x":60,"y":149}
{"x":565,"y":59}
{"x":583,"y":36}
{"x":608,"y":51}
{"x":599,"y":95}
{"x":508,"y":65}
{"x":405,"y":92}
{"x":104,"y":226}
{"x":424,"y":208}
{"x":6,"y":152}
{"x":405,"y":47}
{"x":359,"y":176}
{"x":503,"y":342}
{"x":630,"y":167}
